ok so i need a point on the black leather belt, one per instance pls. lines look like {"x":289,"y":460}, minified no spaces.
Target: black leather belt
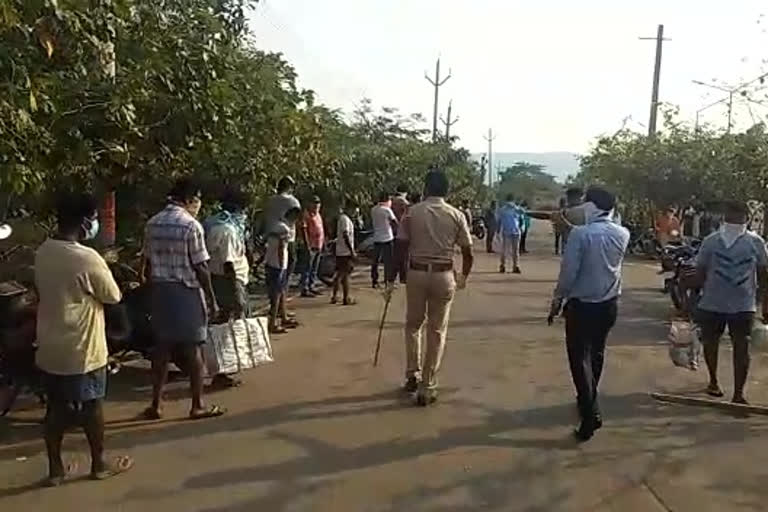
{"x":432,"y":267}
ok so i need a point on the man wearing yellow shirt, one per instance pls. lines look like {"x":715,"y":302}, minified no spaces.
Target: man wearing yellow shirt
{"x":73,"y":283}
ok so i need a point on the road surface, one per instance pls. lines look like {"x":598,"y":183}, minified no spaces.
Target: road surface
{"x":322,"y":430}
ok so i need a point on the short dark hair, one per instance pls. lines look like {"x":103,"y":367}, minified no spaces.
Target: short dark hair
{"x":185,"y":189}
{"x":436,"y":183}
{"x":401,"y":189}
{"x":601,"y":198}
{"x":234,"y":199}
{"x":574,"y":192}
{"x":383,"y":196}
{"x":285,"y":183}
{"x":736,"y":208}
{"x":72,"y":209}
{"x":510,"y":197}
{"x":293,"y":212}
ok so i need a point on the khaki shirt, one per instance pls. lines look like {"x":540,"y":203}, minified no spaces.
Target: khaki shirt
{"x":434,"y":228}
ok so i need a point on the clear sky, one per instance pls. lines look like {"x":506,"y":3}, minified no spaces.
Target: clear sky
{"x":547,"y":75}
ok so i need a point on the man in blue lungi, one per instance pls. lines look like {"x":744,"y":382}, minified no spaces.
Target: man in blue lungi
{"x":177,"y":270}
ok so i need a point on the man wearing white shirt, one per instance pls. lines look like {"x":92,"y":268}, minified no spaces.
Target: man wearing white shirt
{"x":384,"y":225}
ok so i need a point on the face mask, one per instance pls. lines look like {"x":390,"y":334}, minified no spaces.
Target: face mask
{"x":592,"y":212}
{"x":91,"y":228}
{"x":193,"y":207}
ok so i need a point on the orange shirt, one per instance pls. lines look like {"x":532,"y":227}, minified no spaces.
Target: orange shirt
{"x":667,"y":224}
{"x":313,"y":224}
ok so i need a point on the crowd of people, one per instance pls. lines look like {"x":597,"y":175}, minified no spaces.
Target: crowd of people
{"x":199,"y":272}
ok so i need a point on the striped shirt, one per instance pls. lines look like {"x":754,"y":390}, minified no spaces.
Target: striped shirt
{"x":174,"y":242}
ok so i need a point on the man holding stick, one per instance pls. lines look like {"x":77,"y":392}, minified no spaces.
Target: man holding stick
{"x":431,"y":231}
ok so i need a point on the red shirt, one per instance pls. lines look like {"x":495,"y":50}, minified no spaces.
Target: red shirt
{"x":313,"y":226}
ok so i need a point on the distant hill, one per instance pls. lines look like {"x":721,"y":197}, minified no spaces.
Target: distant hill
{"x":559,"y":164}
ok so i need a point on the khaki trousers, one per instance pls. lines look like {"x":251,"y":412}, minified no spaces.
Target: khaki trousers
{"x":510,"y":246}
{"x":429,"y":298}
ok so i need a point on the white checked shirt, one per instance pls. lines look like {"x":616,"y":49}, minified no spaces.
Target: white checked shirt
{"x":174,"y":242}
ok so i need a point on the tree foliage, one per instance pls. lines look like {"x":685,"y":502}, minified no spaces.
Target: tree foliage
{"x":126,"y":95}
{"x":529,"y":182}
{"x":680,"y":166}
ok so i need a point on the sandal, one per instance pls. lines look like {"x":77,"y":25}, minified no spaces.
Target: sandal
{"x":350,"y":302}
{"x":56,"y":481}
{"x":290,"y":323}
{"x":213,"y":411}
{"x":334,"y":300}
{"x":151,"y":414}
{"x":277,"y":330}
{"x":715,"y":391}
{"x":121,"y":465}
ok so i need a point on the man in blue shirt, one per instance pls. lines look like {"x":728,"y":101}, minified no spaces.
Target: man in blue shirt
{"x":589,"y":286}
{"x":728,"y":266}
{"x":509,"y":227}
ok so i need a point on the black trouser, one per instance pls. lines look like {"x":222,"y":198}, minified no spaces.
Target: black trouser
{"x":383,"y":252}
{"x":489,"y":240}
{"x":586,"y":329}
{"x":400,"y":256}
{"x":557,"y":242}
{"x":523,"y":238}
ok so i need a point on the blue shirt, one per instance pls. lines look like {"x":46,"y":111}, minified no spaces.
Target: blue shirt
{"x":591,"y":267}
{"x":731,"y":273}
{"x":510,"y":219}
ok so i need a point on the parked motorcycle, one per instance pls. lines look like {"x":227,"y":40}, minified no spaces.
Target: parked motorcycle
{"x":679,"y":261}
{"x":478,"y":228}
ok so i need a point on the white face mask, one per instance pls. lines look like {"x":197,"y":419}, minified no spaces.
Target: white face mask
{"x":592,"y":212}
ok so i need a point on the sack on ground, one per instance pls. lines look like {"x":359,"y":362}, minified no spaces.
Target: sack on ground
{"x":685,"y":344}
{"x":237,"y":345}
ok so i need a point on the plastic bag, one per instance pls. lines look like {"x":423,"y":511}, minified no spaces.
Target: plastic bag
{"x":237,"y":345}
{"x":685,"y":344}
{"x":759,"y":338}
{"x":498,"y":245}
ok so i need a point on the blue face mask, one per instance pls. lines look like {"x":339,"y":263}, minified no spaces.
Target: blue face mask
{"x":91,"y":228}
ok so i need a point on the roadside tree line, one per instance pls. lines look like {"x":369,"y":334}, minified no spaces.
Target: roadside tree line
{"x":124,"y":96}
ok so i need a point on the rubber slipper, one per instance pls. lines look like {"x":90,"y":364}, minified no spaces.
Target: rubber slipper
{"x":350,"y":302}
{"x":715,"y":392}
{"x":290,"y":323}
{"x":225,"y":382}
{"x":56,"y":481}
{"x":121,"y":464}
{"x":151,"y":414}
{"x":278,"y":330}
{"x":213,"y":411}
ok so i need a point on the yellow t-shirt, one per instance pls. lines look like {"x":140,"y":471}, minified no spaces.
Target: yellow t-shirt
{"x":73,"y":282}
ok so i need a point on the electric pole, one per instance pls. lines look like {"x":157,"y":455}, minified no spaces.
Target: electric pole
{"x":656,"y":77}
{"x":448,"y":122}
{"x":436,"y":83}
{"x":490,"y":138}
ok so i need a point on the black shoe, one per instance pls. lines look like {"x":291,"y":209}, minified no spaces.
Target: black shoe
{"x":307,"y":294}
{"x":517,"y":270}
{"x":411,"y":385}
{"x":583,"y":433}
{"x":598,"y":422}
{"x":375,"y":286}
{"x":502,"y":269}
{"x":424,"y":399}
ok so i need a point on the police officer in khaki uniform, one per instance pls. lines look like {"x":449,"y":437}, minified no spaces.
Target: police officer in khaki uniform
{"x":431,"y":230}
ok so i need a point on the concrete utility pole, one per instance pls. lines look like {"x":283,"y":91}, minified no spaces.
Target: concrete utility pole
{"x":656,"y":78}
{"x":448,"y":122}
{"x":436,"y":83}
{"x":490,"y":138}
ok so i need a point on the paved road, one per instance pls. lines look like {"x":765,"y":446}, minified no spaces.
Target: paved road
{"x":321,"y":430}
